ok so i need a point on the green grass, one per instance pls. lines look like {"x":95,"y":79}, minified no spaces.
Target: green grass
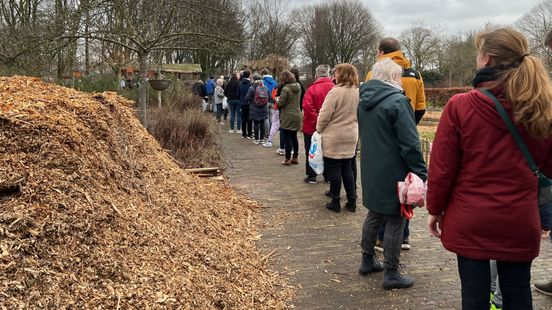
{"x":427,"y":135}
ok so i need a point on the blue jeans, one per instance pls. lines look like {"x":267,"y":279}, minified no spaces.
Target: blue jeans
{"x":235,"y":109}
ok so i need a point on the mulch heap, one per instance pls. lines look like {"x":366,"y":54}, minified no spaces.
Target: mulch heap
{"x":94,"y":214}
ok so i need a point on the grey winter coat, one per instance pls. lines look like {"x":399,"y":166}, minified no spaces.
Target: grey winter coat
{"x":219,"y":95}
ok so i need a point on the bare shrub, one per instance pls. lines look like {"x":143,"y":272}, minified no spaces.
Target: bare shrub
{"x":186,"y":132}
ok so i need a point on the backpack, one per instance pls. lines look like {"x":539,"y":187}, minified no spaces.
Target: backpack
{"x":261,"y":96}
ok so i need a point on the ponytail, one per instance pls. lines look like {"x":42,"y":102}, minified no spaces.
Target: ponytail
{"x":526,"y":82}
{"x":529,"y":91}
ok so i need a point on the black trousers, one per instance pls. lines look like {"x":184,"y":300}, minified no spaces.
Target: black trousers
{"x":354,"y":167}
{"x":514,"y":279}
{"x":258,"y":125}
{"x":308,"y":170}
{"x":247,"y":124}
{"x":291,"y":142}
{"x":338,"y":170}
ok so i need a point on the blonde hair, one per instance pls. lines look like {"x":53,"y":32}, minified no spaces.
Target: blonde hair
{"x":526,"y":82}
{"x":346,"y":75}
{"x":387,"y":70}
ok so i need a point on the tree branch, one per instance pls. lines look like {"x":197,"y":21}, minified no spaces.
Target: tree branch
{"x":92,"y":37}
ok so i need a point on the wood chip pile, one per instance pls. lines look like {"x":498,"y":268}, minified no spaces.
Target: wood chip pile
{"x":94,"y":214}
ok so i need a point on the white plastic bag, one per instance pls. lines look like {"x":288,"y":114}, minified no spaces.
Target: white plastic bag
{"x":316,"y":158}
{"x":225,"y":103}
{"x":412,"y":191}
{"x":204,"y":105}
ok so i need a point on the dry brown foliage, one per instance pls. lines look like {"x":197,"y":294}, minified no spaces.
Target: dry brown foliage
{"x":186,"y":132}
{"x":94,"y":214}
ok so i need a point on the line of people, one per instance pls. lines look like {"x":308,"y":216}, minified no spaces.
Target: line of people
{"x":479,"y":171}
{"x":477,"y":174}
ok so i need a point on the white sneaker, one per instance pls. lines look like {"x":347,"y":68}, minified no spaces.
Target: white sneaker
{"x":256,"y":142}
{"x":267,"y":144}
{"x":222,"y":123}
{"x":231,"y":131}
{"x":281,"y":152}
{"x":239,"y":131}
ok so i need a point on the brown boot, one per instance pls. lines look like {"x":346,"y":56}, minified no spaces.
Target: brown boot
{"x":294,"y":160}
{"x":286,"y":162}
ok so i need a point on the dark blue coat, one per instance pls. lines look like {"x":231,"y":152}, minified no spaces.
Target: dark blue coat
{"x":244,"y":88}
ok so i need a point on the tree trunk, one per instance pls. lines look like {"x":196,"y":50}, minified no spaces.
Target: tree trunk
{"x":87,"y":45}
{"x":143,"y":60}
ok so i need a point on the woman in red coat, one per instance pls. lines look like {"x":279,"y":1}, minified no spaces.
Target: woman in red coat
{"x":478,"y":178}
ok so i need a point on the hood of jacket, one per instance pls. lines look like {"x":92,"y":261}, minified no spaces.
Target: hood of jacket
{"x":293,"y":87}
{"x":485,"y":106}
{"x":398,"y":58}
{"x":323,"y":80}
{"x":245,"y":82}
{"x":374,"y":92}
{"x":269,"y":81}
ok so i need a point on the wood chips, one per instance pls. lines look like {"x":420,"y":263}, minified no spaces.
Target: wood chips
{"x":94,"y":214}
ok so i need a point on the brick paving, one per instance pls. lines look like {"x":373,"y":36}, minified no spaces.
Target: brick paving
{"x":319,"y":250}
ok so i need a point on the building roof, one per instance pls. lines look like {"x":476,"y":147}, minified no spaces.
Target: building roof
{"x":181,"y":68}
{"x":170,"y":68}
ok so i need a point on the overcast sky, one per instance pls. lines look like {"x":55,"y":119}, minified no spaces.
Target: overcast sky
{"x":452,"y":15}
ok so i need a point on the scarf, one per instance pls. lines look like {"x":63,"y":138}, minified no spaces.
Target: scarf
{"x":485,"y":74}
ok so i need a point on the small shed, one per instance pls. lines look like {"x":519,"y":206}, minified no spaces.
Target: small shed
{"x":276,"y":64}
{"x":183,"y":71}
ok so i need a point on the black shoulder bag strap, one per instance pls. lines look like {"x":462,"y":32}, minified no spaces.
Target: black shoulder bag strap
{"x":545,"y":183}
{"x":513,"y":130}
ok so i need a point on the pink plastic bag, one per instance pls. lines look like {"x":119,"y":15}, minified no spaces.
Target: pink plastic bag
{"x":412,"y":191}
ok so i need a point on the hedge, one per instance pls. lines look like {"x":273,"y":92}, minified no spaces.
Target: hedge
{"x":438,"y":97}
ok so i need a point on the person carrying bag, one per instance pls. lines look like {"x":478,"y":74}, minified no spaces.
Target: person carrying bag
{"x":544,"y":182}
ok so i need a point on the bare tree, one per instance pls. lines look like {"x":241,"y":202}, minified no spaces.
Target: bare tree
{"x":457,"y":59}
{"x":421,"y":44}
{"x":535,"y":24}
{"x":228,"y":22}
{"x":337,"y":32}
{"x":270,"y":29}
{"x":143,"y":27}
{"x":21,"y":23}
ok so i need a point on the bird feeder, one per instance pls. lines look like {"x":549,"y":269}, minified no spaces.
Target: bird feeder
{"x":159,"y":86}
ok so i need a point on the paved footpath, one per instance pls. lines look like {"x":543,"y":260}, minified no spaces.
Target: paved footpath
{"x":319,"y":251}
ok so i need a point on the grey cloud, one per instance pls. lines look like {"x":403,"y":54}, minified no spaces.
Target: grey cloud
{"x":453,"y":15}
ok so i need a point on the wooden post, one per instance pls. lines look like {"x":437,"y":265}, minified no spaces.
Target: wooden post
{"x":159,"y":98}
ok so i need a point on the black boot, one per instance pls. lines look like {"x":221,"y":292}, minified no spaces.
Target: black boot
{"x":335,"y":206}
{"x":544,"y":287}
{"x":393,"y":279}
{"x":351,"y":205}
{"x":370,"y":264}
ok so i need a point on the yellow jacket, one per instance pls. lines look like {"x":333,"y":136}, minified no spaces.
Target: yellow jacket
{"x":412,"y":81}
